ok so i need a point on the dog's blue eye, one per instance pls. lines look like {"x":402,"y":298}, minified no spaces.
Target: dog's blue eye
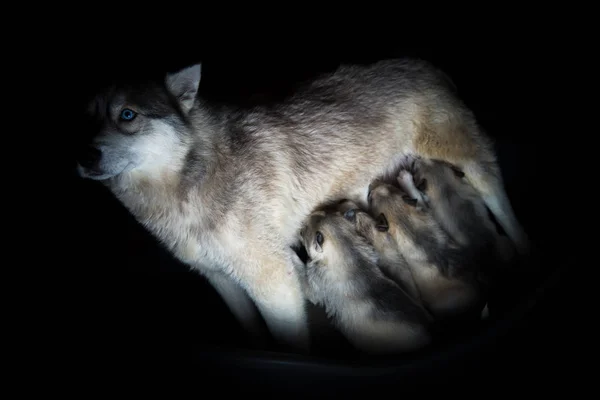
{"x":127,"y":114}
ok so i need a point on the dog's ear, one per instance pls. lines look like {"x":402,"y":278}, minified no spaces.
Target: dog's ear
{"x":184,"y":84}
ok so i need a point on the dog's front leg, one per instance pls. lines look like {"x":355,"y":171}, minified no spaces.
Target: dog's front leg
{"x":271,"y":280}
{"x":239,"y":303}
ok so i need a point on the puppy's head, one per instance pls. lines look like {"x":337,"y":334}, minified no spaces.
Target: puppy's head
{"x":332,"y":241}
{"x":319,"y":235}
{"x":374,"y":230}
{"x":438,"y":180}
{"x":137,"y":126}
{"x":394,"y":210}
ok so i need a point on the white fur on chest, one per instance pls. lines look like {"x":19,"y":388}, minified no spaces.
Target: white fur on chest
{"x":185,"y":229}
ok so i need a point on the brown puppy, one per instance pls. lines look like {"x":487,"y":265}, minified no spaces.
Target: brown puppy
{"x":342,"y":274}
{"x":391,"y":260}
{"x":445,"y":277}
{"x":456,"y":205}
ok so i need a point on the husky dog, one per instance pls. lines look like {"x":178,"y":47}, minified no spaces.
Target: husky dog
{"x":447,"y":279}
{"x":391,"y":260}
{"x":342,"y":274}
{"x":226,"y":189}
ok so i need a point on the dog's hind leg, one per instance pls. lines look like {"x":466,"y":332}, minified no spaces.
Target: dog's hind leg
{"x":453,"y":136}
{"x":486,"y":179}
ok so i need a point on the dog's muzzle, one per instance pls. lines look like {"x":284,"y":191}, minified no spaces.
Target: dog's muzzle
{"x":89,"y":157}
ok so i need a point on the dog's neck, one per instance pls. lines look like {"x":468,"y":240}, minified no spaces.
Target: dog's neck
{"x":171,"y":178}
{"x":161,"y":169}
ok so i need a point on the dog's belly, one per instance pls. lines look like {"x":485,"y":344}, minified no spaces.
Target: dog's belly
{"x":356,"y":186}
{"x":349,"y":181}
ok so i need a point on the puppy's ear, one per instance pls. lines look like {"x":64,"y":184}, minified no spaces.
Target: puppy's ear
{"x":422,"y":185}
{"x":409,"y":200}
{"x":382,"y":223}
{"x":184,"y":84}
{"x":457,"y":172}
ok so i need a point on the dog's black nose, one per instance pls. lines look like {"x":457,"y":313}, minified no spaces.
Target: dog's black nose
{"x":89,"y":157}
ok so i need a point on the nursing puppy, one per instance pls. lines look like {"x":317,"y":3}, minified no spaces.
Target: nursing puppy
{"x":446,"y":278}
{"x":457,"y":207}
{"x":391,"y":260}
{"x":371,"y":310}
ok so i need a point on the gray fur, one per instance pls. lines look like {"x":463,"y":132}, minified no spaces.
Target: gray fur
{"x":460,"y":210}
{"x":226,"y":189}
{"x":390,"y":259}
{"x":343,"y":275}
{"x":444,"y":273}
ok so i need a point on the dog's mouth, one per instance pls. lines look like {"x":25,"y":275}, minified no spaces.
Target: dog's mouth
{"x":93,"y":174}
{"x":100,"y":175}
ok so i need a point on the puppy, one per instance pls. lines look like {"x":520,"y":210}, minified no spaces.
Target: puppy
{"x":391,"y":260}
{"x":457,"y":207}
{"x":342,"y":275}
{"x":445,"y":277}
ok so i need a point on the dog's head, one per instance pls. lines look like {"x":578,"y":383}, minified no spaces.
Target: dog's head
{"x":138,"y":125}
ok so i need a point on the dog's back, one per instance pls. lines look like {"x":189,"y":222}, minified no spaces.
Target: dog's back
{"x":371,"y":310}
